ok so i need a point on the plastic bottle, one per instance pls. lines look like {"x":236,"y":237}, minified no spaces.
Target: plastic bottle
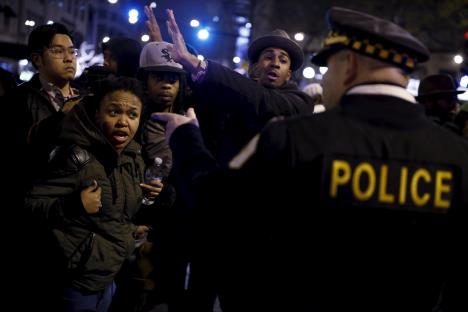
{"x":153,"y":172}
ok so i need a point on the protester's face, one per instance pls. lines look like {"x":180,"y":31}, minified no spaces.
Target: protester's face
{"x":57,"y":63}
{"x":333,"y":82}
{"x":118,"y":117}
{"x":163,"y":88}
{"x":442,"y":106}
{"x":109,"y":61}
{"x":273,"y":68}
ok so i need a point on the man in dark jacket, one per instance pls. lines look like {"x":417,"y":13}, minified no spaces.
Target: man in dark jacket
{"x":38,"y":106}
{"x":233,"y":108}
{"x":370,"y":215}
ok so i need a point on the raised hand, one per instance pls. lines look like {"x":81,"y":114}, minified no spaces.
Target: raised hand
{"x":152,"y":25}
{"x":179,"y":50}
{"x":91,"y":198}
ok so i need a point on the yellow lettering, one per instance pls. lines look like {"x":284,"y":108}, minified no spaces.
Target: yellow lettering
{"x":420,"y":174}
{"x":403,"y":185}
{"x":360,"y":169}
{"x":341,"y":173}
{"x":440,"y":188}
{"x":384,"y":197}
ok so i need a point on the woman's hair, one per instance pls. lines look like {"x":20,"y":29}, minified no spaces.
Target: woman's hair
{"x":103,"y":87}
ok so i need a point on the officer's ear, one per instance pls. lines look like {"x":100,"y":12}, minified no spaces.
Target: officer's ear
{"x":351,"y":67}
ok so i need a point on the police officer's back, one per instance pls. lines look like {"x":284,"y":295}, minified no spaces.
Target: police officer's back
{"x":358,"y":208}
{"x":372,"y":186}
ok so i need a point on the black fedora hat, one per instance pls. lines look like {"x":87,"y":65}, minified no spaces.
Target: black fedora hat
{"x":278,"y":38}
{"x":436,"y":85}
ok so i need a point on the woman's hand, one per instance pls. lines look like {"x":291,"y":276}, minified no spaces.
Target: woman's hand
{"x":153,"y":189}
{"x":91,"y":198}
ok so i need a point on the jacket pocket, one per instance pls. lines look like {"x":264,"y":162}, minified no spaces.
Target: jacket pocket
{"x":81,"y":254}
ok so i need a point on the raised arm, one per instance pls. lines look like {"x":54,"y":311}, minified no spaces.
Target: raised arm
{"x":179,"y":50}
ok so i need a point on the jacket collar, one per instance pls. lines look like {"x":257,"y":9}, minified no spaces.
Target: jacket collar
{"x":383,"y":89}
{"x":385,"y":105}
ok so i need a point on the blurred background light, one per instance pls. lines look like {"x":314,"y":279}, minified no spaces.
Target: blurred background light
{"x":299,"y":36}
{"x":308,"y":72}
{"x":203,"y":34}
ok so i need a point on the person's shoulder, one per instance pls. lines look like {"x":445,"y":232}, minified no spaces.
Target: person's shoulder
{"x":70,"y":157}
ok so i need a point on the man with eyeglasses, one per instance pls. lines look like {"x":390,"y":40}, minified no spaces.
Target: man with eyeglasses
{"x":41,"y":103}
{"x":35,"y":110}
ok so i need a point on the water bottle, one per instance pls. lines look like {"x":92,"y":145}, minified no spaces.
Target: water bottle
{"x":153,"y":172}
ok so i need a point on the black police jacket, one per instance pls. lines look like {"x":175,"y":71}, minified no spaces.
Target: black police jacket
{"x":358,"y":208}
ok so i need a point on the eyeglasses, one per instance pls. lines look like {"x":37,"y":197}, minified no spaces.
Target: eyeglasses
{"x":59,"y":52}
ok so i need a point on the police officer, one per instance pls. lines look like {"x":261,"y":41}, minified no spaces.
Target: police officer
{"x":357,"y":208}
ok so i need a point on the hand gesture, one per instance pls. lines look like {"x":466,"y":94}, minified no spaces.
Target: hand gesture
{"x":173,"y":121}
{"x":179,"y":50}
{"x":152,"y":25}
{"x":91,"y":198}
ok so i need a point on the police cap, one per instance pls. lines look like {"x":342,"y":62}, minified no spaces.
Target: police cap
{"x":370,"y":36}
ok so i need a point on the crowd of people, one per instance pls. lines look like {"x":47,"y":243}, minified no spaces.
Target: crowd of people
{"x":349,"y":195}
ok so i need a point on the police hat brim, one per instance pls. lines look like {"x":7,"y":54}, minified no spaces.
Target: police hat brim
{"x":295,"y":52}
{"x":320,"y":58}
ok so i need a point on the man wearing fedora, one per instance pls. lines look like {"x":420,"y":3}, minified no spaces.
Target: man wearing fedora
{"x":438,"y":94}
{"x":361,"y":207}
{"x":233,"y":108}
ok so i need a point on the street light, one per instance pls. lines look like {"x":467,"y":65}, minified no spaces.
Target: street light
{"x":203,"y":34}
{"x":299,"y":36}
{"x":194,"y":23}
{"x":133,"y":16}
{"x":458,"y":59}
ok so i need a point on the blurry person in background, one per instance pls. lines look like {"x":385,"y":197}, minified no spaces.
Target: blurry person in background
{"x":7,"y":82}
{"x":121,"y":56}
{"x":438,"y":94}
{"x":461,"y":120}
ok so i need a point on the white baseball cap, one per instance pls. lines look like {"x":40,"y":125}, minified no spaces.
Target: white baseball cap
{"x":155,"y":56}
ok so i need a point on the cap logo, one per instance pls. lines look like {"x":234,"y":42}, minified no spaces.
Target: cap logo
{"x":366,"y":47}
{"x":166,"y":55}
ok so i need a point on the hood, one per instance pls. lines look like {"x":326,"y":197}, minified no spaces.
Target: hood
{"x":79,"y":128}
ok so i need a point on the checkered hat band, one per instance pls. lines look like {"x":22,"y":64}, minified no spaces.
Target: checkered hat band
{"x":366,"y":47}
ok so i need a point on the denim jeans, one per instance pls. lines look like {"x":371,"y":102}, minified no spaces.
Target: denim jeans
{"x":76,"y":300}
